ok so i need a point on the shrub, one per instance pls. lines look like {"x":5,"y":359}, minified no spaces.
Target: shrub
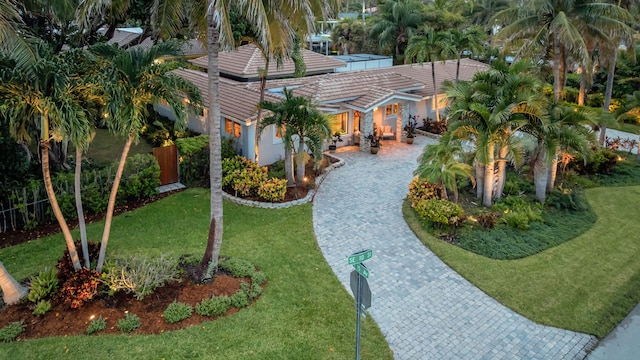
{"x":240,"y":299}
{"x":96,"y":325}
{"x":258,"y":277}
{"x":141,"y":177}
{"x":82,"y":286}
{"x":11,"y":331}
{"x":129,"y":323}
{"x":276,"y":170}
{"x":440,"y":212}
{"x":65,"y":266}
{"x":177,"y":312}
{"x":568,"y":199}
{"x":42,"y":307}
{"x":43,"y":285}
{"x":252,"y":291}
{"x":244,"y":178}
{"x":194,"y":159}
{"x":139,"y":276}
{"x":487,"y":220}
{"x":237,"y":267}
{"x":420,"y":189}
{"x":517,"y":212}
{"x":214,"y":306}
{"x":273,"y":189}
{"x":598,"y":161}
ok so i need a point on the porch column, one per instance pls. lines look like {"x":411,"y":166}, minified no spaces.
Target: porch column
{"x":401,"y":121}
{"x":367,"y":129}
{"x":248,"y":141}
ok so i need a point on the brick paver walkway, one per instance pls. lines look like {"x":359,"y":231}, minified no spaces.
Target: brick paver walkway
{"x":424,"y":308}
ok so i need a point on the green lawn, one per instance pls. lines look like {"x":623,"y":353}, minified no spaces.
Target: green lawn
{"x":587,"y":284}
{"x":304,"y":313}
{"x":106,"y":147}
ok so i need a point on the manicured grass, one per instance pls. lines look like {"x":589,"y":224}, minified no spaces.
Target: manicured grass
{"x":304,"y":313}
{"x":587,"y":284}
{"x":106,"y":147}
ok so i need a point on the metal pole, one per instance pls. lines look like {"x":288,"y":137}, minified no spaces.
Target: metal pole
{"x":358,"y":314}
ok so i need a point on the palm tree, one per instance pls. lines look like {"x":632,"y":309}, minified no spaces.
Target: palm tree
{"x":136,"y":79}
{"x":395,"y":23}
{"x":15,"y":40}
{"x":281,"y":116}
{"x":556,"y":25}
{"x":43,"y":96}
{"x":441,"y":163}
{"x":431,"y":47}
{"x":566,"y":130}
{"x":12,"y":291}
{"x":470,"y":39}
{"x":302,"y":123}
{"x":488,"y":111}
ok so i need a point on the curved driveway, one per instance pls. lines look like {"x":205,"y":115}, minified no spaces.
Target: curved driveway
{"x":424,"y":308}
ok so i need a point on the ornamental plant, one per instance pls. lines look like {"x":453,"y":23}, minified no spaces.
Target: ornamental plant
{"x":440,"y":212}
{"x":421,"y":189}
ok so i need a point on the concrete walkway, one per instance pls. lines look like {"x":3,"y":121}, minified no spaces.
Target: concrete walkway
{"x":424,"y":308}
{"x":622,"y":343}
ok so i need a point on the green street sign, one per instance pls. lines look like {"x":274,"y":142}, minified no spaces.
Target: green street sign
{"x":359,"y":257}
{"x":362,"y":270}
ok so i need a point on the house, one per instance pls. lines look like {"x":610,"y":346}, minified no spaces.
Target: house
{"x":359,"y":101}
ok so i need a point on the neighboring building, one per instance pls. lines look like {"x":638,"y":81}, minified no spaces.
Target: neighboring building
{"x":364,"y":62}
{"x":358,"y":100}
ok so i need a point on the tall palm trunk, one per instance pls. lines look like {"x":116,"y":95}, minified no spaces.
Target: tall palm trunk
{"x":557,"y":61}
{"x":435,"y":95}
{"x":263,"y":85}
{"x":44,"y":143}
{"x":112,"y":202}
{"x":540,"y":173}
{"x":214,"y":240}
{"x":608,"y":91}
{"x":300,"y":161}
{"x":79,"y":209}
{"x":583,"y":87}
{"x":502,"y":173}
{"x":288,"y":165}
{"x":12,"y":291}
{"x":458,"y":69}
{"x":479,"y":179}
{"x":489,"y":170}
{"x":553,"y":171}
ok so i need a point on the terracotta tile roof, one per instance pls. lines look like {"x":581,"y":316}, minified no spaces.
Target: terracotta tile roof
{"x":244,"y":63}
{"x":375,"y":96}
{"x":236,"y":100}
{"x":343,"y":86}
{"x":444,"y":71}
{"x":189,"y":48}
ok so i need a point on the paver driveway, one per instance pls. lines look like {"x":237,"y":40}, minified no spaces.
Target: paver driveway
{"x":424,"y":308}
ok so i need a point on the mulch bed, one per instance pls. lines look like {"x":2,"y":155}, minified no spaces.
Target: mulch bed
{"x":63,"y":321}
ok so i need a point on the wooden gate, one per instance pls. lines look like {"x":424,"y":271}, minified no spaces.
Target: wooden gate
{"x":167,"y":157}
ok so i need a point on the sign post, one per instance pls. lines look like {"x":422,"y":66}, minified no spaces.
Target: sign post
{"x":360,"y":287}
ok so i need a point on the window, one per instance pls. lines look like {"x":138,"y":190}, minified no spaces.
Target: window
{"x":232,"y":128}
{"x":356,"y":120}
{"x":279,"y":131}
{"x":341,"y":122}
{"x":392,"y":109}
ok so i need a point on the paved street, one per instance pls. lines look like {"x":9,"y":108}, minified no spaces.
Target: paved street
{"x":425,"y":309}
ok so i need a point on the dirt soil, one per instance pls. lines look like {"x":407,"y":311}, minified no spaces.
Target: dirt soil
{"x":63,"y":321}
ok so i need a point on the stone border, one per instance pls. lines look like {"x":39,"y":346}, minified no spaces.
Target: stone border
{"x":428,"y":134}
{"x":304,"y":200}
